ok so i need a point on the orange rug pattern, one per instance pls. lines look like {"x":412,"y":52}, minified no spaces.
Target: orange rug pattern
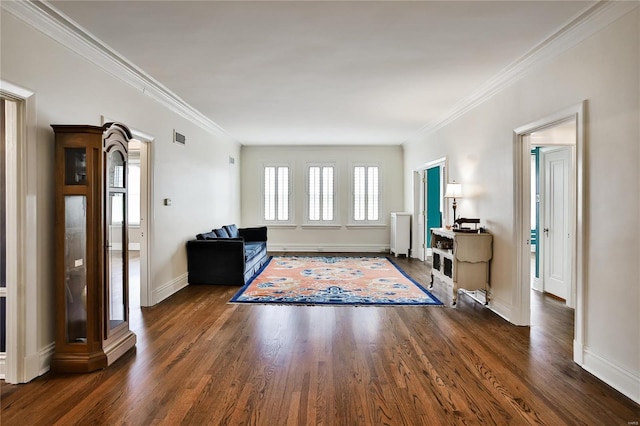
{"x":325,"y":280}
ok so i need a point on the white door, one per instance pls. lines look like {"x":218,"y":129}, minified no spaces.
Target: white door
{"x":556,"y":235}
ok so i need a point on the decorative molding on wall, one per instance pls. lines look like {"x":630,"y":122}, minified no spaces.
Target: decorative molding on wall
{"x":583,"y":26}
{"x":50,"y":21}
{"x":618,"y":378}
{"x":329,"y":248}
{"x":166,"y":290}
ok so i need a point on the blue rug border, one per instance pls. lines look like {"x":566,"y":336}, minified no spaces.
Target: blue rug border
{"x":239,"y":293}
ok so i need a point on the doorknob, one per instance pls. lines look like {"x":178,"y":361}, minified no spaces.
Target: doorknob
{"x":546,"y":231}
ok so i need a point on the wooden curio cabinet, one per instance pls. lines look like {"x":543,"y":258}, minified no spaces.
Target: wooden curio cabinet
{"x":91,"y":253}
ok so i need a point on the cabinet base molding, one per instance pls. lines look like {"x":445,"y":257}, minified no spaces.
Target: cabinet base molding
{"x":85,"y":362}
{"x":92,"y":361}
{"x":120,"y":347}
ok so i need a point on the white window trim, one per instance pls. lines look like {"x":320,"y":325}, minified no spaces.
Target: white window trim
{"x":335,"y":222}
{"x":366,"y":223}
{"x":284,"y":223}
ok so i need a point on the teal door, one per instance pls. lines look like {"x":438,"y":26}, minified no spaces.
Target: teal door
{"x":433,"y":214}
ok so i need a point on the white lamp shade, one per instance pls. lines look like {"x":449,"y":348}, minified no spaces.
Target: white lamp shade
{"x":454,"y":190}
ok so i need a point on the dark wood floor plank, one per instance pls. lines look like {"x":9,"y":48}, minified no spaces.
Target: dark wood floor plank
{"x":200,"y":360}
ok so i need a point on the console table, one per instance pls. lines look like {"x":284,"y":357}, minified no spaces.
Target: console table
{"x":461,"y":262}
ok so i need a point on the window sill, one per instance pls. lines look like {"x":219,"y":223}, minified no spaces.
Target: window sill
{"x":367,"y":225}
{"x":322,"y":226}
{"x":280,"y":225}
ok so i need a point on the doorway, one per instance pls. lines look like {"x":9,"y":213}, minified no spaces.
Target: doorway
{"x":139,"y":220}
{"x":560,"y":248}
{"x":434,"y":201}
{"x":140,"y":214}
{"x":553,"y":210}
{"x":429,"y":181}
{"x":134,"y":222}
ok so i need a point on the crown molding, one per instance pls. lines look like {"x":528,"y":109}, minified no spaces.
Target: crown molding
{"x":50,"y":21}
{"x":587,"y":23}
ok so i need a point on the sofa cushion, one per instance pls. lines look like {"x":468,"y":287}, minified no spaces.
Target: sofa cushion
{"x":232,"y":230}
{"x":206,"y":236}
{"x":221,"y":233}
{"x":252,"y":249}
{"x":254,"y":234}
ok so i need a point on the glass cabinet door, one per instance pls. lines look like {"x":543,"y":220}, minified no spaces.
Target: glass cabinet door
{"x":116,"y":241}
{"x":75,"y":272}
{"x":75,"y":161}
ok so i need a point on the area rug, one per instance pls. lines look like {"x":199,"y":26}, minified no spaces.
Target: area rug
{"x":303,"y":280}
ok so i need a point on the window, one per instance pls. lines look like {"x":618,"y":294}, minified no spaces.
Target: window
{"x":366,"y":193}
{"x":321,"y":205}
{"x":276,"y":193}
{"x":134,"y":190}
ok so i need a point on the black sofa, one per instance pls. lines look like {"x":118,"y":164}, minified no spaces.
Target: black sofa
{"x":227,"y":255}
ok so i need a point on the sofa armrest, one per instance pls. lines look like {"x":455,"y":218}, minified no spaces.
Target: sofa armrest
{"x":254,"y":234}
{"x":217,"y":261}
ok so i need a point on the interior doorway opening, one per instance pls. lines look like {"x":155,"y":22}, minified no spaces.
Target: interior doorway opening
{"x":140,"y":214}
{"x":553,"y":210}
{"x":134,"y":221}
{"x":429,"y":183}
{"x":139,"y":172}
{"x":570,"y":233}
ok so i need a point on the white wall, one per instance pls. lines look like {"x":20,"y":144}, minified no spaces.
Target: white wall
{"x":197,"y":177}
{"x":604,"y":70}
{"x":302,"y":238}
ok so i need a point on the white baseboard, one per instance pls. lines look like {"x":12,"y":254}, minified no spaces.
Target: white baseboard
{"x":3,"y":365}
{"x":45,"y":356}
{"x":337,"y":248}
{"x":35,"y":365}
{"x":173,"y":286}
{"x":624,"y":381}
{"x":500,"y":308}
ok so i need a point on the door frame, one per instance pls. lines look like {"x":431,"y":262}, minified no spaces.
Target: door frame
{"x":25,"y":360}
{"x":420,"y":204}
{"x":521,"y":313}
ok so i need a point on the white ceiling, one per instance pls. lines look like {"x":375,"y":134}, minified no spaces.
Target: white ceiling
{"x":326,"y":72}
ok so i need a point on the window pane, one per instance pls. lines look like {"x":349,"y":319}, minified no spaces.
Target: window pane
{"x":314,"y":193}
{"x":327,"y":193}
{"x":75,"y":267}
{"x":358,"y":193}
{"x":269,"y":193}
{"x":372,"y":181}
{"x":115,"y":263}
{"x":283,"y":193}
{"x":134,"y":194}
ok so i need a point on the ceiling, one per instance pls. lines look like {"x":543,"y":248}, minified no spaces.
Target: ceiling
{"x":322,"y":72}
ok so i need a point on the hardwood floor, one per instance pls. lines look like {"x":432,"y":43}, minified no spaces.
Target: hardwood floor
{"x":200,"y":360}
